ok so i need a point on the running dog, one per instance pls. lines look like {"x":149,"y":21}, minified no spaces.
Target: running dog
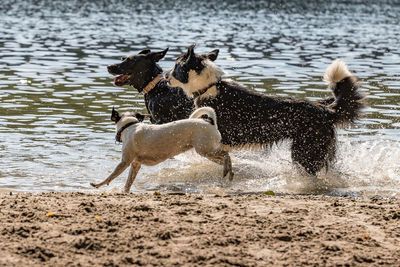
{"x":164,"y":103}
{"x":247,"y":118}
{"x":150,"y":144}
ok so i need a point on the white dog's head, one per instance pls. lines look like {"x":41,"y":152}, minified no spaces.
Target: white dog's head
{"x":125,"y":118}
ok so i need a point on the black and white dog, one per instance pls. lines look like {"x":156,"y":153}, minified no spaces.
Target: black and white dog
{"x":247,"y":118}
{"x":164,"y":103}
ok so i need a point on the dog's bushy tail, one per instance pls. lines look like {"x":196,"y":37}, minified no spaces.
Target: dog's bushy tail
{"x":205,"y":113}
{"x":348,"y":99}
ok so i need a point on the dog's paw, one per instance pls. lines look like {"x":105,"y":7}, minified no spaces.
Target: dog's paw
{"x":95,"y":185}
{"x":230,"y":176}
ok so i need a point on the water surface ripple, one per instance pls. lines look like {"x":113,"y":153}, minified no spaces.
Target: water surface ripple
{"x":56,"y":94}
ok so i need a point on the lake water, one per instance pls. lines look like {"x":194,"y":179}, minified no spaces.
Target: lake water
{"x":56,"y":94}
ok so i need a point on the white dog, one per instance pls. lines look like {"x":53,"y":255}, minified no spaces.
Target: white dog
{"x":150,"y":144}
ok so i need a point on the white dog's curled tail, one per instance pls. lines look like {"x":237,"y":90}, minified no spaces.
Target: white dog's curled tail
{"x":205,"y":113}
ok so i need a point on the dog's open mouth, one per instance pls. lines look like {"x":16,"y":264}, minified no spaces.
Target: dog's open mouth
{"x":122,"y":79}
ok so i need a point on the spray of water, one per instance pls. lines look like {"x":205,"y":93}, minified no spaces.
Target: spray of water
{"x":361,"y":167}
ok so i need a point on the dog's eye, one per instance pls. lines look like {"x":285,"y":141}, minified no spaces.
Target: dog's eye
{"x":123,"y":58}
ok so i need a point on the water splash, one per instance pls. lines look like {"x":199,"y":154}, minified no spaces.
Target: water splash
{"x":368,"y":167}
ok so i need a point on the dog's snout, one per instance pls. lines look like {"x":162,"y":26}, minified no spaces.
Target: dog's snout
{"x":112,"y":69}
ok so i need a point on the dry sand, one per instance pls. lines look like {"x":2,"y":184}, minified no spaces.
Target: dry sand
{"x":80,"y":229}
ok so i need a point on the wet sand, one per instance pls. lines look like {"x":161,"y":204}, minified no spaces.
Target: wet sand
{"x":81,"y":229}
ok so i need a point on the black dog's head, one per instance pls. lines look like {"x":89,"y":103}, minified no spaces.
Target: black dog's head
{"x":137,"y":70}
{"x":194,"y":72}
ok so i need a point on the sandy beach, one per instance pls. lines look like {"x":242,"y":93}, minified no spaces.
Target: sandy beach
{"x":81,"y":229}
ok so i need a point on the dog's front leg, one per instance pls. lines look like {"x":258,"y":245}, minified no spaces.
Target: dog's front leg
{"x":135,"y":167}
{"x":117,"y":171}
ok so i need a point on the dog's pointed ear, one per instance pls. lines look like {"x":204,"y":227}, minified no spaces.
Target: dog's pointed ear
{"x":156,"y":56}
{"x":115,"y":115}
{"x":139,"y":116}
{"x":213,"y":55}
{"x":190,"y":53}
{"x":145,"y":51}
{"x":190,"y":50}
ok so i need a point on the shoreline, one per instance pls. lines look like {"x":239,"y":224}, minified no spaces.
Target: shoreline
{"x":112,"y":229}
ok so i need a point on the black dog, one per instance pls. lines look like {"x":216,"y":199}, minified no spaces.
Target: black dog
{"x":164,"y":103}
{"x":247,"y":118}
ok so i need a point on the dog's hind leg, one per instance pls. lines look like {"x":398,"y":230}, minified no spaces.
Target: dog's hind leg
{"x":220,"y":157}
{"x":135,"y":167}
{"x":228,"y":166}
{"x":117,"y":171}
{"x":314,"y":151}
